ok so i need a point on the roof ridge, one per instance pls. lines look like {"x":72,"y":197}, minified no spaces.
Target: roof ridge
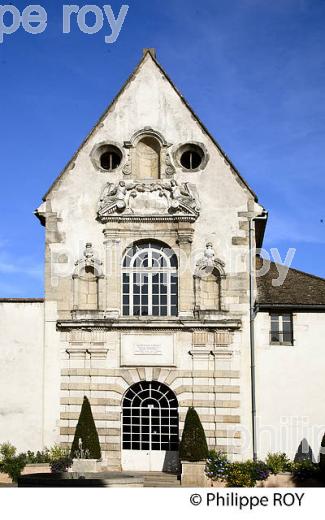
{"x":119,"y":93}
{"x":293,"y":269}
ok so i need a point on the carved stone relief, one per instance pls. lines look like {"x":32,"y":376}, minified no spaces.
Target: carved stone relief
{"x":148,"y":198}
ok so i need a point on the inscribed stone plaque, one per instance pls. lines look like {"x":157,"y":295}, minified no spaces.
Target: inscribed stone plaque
{"x":147,"y":349}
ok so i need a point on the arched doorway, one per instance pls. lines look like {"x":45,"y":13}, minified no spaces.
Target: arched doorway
{"x":150,"y":428}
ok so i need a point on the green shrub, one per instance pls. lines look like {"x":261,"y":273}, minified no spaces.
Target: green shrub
{"x":40,"y":457}
{"x":13,"y":466}
{"x":86,"y":435}
{"x":7,"y":451}
{"x":61,"y":465}
{"x":240,"y":475}
{"x":193,"y":446}
{"x":259,"y":469}
{"x":278,"y":463}
{"x":304,"y":470}
{"x":56,"y":452}
{"x":217,"y":465}
{"x":246,"y":474}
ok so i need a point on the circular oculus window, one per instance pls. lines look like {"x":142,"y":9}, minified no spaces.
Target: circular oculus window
{"x":108,"y":157}
{"x":191,"y":156}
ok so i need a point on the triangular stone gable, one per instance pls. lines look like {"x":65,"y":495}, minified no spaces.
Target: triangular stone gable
{"x":150,"y":70}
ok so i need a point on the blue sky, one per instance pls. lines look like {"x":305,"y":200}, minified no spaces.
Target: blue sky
{"x":253,"y":70}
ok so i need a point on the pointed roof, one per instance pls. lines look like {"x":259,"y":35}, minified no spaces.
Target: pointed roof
{"x":152,"y":54}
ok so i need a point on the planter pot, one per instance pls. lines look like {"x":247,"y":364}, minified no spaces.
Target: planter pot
{"x":281,"y":480}
{"x":193,"y":474}
{"x":30,"y":469}
{"x":218,"y":483}
{"x":85,"y":466}
{"x":5,"y":479}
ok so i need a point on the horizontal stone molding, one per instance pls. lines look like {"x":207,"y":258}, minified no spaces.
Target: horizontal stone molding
{"x":218,"y":389}
{"x":218,"y":419}
{"x":223,"y":374}
{"x":209,"y":404}
{"x":108,"y":416}
{"x":69,"y":430}
{"x":151,"y":324}
{"x":222,"y":434}
{"x":226,"y":448}
{"x":94,"y":401}
{"x":93,"y":387}
{"x":131,"y":376}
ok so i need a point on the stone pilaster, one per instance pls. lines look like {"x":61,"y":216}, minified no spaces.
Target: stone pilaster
{"x":185,"y":274}
{"x":113,"y":272}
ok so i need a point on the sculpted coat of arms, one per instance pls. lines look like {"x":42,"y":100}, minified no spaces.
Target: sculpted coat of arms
{"x":169,"y":199}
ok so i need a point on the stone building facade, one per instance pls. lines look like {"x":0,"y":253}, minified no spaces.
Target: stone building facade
{"x":150,"y":236}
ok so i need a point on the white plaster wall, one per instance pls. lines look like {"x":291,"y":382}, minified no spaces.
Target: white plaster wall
{"x":149,"y":100}
{"x":21,"y":353}
{"x":290,"y":386}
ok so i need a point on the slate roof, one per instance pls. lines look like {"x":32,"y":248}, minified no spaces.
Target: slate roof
{"x":298,"y":290}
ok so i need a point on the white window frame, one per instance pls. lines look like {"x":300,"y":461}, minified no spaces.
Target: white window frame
{"x":134,"y":270}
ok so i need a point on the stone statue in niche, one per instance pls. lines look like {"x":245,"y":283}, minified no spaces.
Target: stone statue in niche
{"x":148,"y":198}
{"x":208,"y":262}
{"x":209,"y":280}
{"x":89,"y":261}
{"x":209,"y":254}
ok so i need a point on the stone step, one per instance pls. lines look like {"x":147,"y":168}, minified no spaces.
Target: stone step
{"x":154,"y":479}
{"x":112,"y":468}
{"x":161,"y":485}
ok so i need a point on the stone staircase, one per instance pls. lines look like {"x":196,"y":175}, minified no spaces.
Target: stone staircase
{"x":159,"y":479}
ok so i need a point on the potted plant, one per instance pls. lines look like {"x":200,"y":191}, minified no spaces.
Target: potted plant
{"x":193,"y":451}
{"x":280,"y":468}
{"x":85,"y":449}
{"x":217,"y":468}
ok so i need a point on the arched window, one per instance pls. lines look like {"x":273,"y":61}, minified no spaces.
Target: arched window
{"x":149,"y":276}
{"x":150,"y":417}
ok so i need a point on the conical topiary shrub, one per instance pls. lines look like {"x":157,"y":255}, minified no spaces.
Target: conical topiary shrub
{"x":193,"y":445}
{"x":86,"y":431}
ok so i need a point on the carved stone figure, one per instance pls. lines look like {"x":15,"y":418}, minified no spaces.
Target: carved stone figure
{"x":88,"y":260}
{"x":209,"y":254}
{"x":170,"y":170}
{"x":209,"y":262}
{"x":143,"y":198}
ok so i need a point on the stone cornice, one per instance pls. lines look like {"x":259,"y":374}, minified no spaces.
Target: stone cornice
{"x":131,"y":324}
{"x":149,"y":218}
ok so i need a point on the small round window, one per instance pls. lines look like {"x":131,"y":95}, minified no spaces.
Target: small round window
{"x":107,"y":157}
{"x":191,"y":157}
{"x":110,"y":160}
